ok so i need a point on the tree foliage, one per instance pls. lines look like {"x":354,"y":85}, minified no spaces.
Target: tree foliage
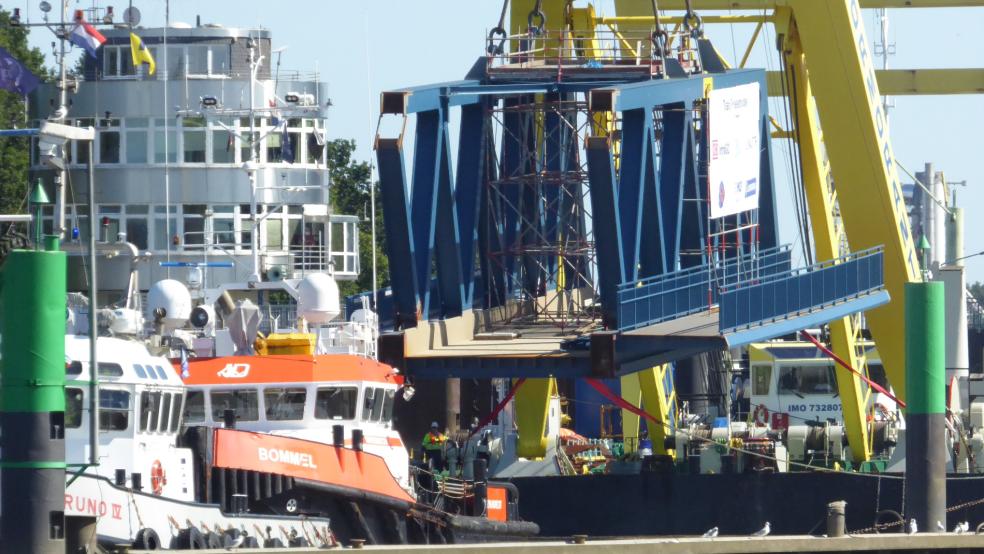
{"x":15,"y":151}
{"x":351,"y":195}
{"x":977,"y":289}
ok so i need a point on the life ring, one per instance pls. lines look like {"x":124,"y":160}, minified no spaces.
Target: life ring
{"x":157,"y":477}
{"x":761,"y":416}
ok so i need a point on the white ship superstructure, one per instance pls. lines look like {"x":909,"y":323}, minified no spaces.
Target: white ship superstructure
{"x":173,"y":158}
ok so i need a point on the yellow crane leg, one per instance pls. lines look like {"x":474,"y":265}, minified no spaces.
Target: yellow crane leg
{"x":658,"y":403}
{"x":647,"y":389}
{"x":532,"y":405}
{"x":821,"y":198}
{"x":631,"y":393}
{"x":869,"y":192}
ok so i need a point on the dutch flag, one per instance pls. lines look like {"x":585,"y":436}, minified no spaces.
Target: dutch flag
{"x":86,"y":36}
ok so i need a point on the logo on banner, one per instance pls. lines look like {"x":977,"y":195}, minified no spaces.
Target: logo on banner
{"x":721,"y":194}
{"x":234,"y":371}
{"x":284,"y":456}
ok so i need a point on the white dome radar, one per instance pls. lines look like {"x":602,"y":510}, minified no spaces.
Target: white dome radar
{"x":171,"y":302}
{"x":317,"y":299}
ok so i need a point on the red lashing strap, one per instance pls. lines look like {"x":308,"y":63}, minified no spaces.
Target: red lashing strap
{"x":621,"y":402}
{"x":498,"y":408}
{"x":848,"y":367}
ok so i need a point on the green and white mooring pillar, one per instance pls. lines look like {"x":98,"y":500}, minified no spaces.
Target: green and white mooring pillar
{"x":925,"y":376}
{"x":32,"y":400}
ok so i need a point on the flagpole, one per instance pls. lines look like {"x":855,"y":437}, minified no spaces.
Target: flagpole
{"x":59,"y":225}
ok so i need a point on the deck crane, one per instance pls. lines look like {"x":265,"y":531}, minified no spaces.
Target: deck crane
{"x":834,"y":90}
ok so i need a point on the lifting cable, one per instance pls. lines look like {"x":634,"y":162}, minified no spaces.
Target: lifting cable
{"x":660,"y":37}
{"x":498,"y":408}
{"x":848,"y":367}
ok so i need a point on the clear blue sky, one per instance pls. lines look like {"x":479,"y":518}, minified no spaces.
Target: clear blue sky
{"x":363,"y":47}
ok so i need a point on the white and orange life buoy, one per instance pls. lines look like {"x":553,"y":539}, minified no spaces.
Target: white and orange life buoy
{"x":157,"y":477}
{"x":760,"y":416}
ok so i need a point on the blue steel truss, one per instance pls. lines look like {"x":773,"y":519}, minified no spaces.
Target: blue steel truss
{"x":647,"y":217}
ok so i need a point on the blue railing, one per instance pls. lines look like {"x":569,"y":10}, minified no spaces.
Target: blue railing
{"x":752,"y":302}
{"x":680,"y":293}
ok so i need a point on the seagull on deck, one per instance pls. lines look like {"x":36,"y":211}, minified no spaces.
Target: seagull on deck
{"x":961,"y":528}
{"x":913,"y":527}
{"x":763,"y":531}
{"x":711,"y":533}
{"x":940,"y":528}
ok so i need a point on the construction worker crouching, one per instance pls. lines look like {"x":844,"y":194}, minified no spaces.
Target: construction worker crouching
{"x":434,"y":448}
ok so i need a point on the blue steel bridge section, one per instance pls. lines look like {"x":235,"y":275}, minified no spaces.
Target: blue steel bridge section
{"x":659,"y":296}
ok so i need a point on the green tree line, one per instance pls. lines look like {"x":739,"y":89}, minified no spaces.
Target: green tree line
{"x":15,"y":151}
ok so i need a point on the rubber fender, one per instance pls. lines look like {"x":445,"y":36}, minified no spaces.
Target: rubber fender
{"x":251,"y":542}
{"x":213,"y":540}
{"x":147,"y":539}
{"x":190,"y":539}
{"x":273,"y":543}
{"x":298,"y":541}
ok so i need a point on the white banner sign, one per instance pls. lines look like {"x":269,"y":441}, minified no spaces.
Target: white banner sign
{"x":733,"y":170}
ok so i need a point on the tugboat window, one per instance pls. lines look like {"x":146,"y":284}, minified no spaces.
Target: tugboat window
{"x":176,"y":413}
{"x":73,"y":408}
{"x":109,"y":141}
{"x":377,"y":404}
{"x":194,"y":410}
{"x":388,"y":406}
{"x":110,"y":370}
{"x":367,"y":403}
{"x":284,"y":404}
{"x":114,"y":410}
{"x":243,"y":402}
{"x":149,"y":408}
{"x":193,"y":129}
{"x":336,"y":403}
{"x":165,"y":412}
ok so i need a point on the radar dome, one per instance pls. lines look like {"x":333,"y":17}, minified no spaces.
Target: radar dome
{"x":317,"y":298}
{"x":173,"y":298}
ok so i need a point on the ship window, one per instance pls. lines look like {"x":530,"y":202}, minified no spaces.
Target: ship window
{"x":136,"y":225}
{"x":111,"y":64}
{"x":193,"y":131}
{"x":243,"y":402}
{"x":388,"y":405}
{"x":164,"y":227}
{"x":223,"y":150}
{"x":140,"y":371}
{"x":114,"y":410}
{"x":161,"y":373}
{"x":284,"y":404}
{"x":800,"y":380}
{"x":194,"y":224}
{"x":165,"y":143}
{"x":224,"y":226}
{"x":761,"y":374}
{"x":336,"y":403}
{"x":150,"y":372}
{"x":73,"y":408}
{"x":274,"y":233}
{"x":136,"y":146}
{"x":73,"y":369}
{"x":377,"y":404}
{"x":194,"y":410}
{"x":150,"y":404}
{"x":110,"y":370}
{"x":175,"y":412}
{"x":165,"y":412}
{"x":274,"y":151}
{"x":197,"y":60}
{"x":109,"y":145}
{"x":220,"y":60}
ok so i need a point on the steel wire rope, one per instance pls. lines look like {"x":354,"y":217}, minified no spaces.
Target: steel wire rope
{"x":795,"y":145}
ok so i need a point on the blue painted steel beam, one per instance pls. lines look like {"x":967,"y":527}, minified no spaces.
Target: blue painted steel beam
{"x":814,"y":319}
{"x":676,"y":118}
{"x":468,"y":188}
{"x":427,"y":98}
{"x":647,"y":94}
{"x":399,"y":231}
{"x":608,"y":236}
{"x":432,"y":214}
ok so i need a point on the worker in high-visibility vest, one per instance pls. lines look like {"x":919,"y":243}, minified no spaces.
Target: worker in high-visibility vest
{"x":434,"y":447}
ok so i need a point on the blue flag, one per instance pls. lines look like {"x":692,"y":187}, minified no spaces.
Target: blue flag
{"x":15,"y":76}
{"x":287,"y":147}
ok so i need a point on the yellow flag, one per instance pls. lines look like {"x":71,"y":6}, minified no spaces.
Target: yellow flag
{"x":140,"y":54}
